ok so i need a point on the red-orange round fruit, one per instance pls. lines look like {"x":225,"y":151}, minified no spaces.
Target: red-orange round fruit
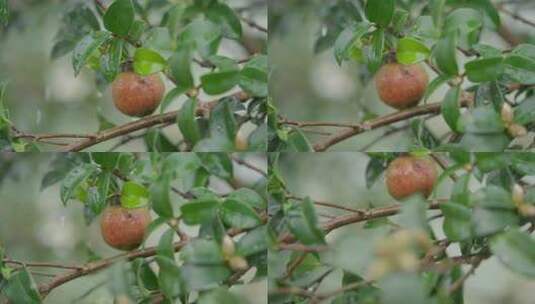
{"x":123,"y":228}
{"x":401,"y":86}
{"x":137,"y":95}
{"x":408,"y":175}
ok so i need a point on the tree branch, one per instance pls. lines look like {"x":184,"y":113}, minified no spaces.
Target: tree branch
{"x":516,"y":16}
{"x":357,"y":217}
{"x":146,"y":122}
{"x":93,"y":267}
{"x":246,"y":164}
{"x":433,"y":108}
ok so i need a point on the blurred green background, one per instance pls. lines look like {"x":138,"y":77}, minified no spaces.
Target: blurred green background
{"x":43,"y":95}
{"x":36,"y":227}
{"x":339,"y":177}
{"x":312,"y":87}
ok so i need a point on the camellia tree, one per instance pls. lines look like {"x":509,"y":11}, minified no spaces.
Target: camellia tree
{"x":211,"y":240}
{"x":449,"y":213}
{"x":133,"y":46}
{"x":488,"y":103}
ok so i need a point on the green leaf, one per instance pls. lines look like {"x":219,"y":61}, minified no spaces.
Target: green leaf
{"x":202,"y":34}
{"x":394,"y":289}
{"x":466,"y":20}
{"x":199,"y":211}
{"x":457,"y":221}
{"x":445,"y":54}
{"x":375,"y":168}
{"x":474,"y":142}
{"x":411,"y":50}
{"x":399,"y":21}
{"x":413,"y":214}
{"x":437,"y":10}
{"x":119,"y":17}
{"x":159,"y":39}
{"x":202,"y":252}
{"x":85,"y":48}
{"x":516,"y":250}
{"x":110,"y":62}
{"x":254,"y":242}
{"x":520,"y":68}
{"x":489,"y":9}
{"x":249,"y":197}
{"x":147,"y":61}
{"x":219,"y":296}
{"x":525,"y":112}
{"x":254,"y":78}
{"x":21,"y":288}
{"x":375,"y":59}
{"x":223,"y":124}
{"x":4,"y":12}
{"x":134,"y":195}
{"x":481,"y":120}
{"x":239,"y":215}
{"x":156,"y":141}
{"x":171,"y":96}
{"x":136,"y":30}
{"x":224,"y":16}
{"x":198,"y":277}
{"x":180,"y":66}
{"x":218,"y":164}
{"x":487,"y":51}
{"x":297,"y":142}
{"x":219,"y":82}
{"x":435,"y":84}
{"x":159,"y":193}
{"x":380,"y":12}
{"x":450,"y":107}
{"x":303,"y":223}
{"x":494,"y":210}
{"x":347,"y":39}
{"x":487,"y":69}
{"x":187,"y":123}
{"x":169,"y":277}
{"x":257,"y":140}
{"x":73,"y":179}
{"x":145,"y":276}
{"x":165,"y":245}
{"x":97,"y":196}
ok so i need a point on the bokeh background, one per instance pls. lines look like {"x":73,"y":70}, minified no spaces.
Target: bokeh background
{"x":36,"y":227}
{"x":312,"y":87}
{"x":43,"y":95}
{"x":339,"y":177}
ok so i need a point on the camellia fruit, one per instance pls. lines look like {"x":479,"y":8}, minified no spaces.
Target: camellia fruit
{"x":408,"y":175}
{"x":124,"y":228}
{"x":137,"y":95}
{"x":401,"y":86}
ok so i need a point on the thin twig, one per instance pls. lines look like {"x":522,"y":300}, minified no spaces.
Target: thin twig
{"x":249,"y":165}
{"x":40,"y":265}
{"x":326,"y":204}
{"x":459,"y":282}
{"x":444,"y":165}
{"x":516,"y":16}
{"x":253,"y":24}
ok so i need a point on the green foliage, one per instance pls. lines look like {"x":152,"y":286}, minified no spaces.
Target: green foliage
{"x":4,"y":12}
{"x":387,"y":256}
{"x":168,"y":39}
{"x":119,"y":17}
{"x":437,"y":34}
{"x":176,"y":188}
